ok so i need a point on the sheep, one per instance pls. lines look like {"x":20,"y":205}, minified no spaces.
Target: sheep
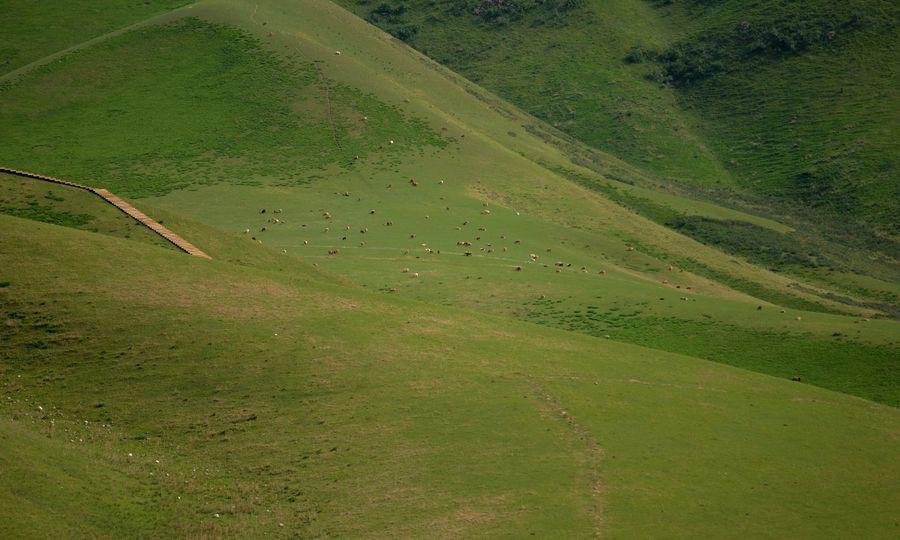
{"x":797,"y":378}
{"x":486,"y":212}
{"x":799,"y":318}
{"x":413,"y":183}
{"x":278,"y":210}
{"x":602,"y":272}
{"x":441,"y":182}
{"x":388,"y":223}
{"x":630,"y":248}
{"x":371,"y":212}
{"x":306,"y":242}
{"x":466,"y":222}
{"x":262,"y":211}
{"x":333,"y":251}
{"x":665,"y":282}
{"x":391,"y":141}
{"x":246,"y":231}
{"x":337,"y":53}
{"x":518,"y":268}
{"x":364,"y":230}
{"x":326,"y":215}
{"x":327,"y":229}
{"x":415,"y":274}
{"x":517,"y":242}
{"x":533,"y":256}
{"x":264,"y":229}
{"x":405,"y":271}
{"x":468,"y":254}
{"x":412,"y":236}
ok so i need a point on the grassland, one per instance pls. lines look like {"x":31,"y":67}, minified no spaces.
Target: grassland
{"x":785,"y":110}
{"x":280,"y":397}
{"x":303,"y":384}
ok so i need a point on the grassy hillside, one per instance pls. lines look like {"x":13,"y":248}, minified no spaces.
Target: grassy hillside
{"x":272,"y":119}
{"x":427,"y":314}
{"x":223,"y":399}
{"x":784,"y":109}
{"x":34,"y":30}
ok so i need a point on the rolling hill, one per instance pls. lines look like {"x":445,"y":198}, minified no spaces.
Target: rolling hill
{"x":784,"y":109}
{"x":428,"y":313}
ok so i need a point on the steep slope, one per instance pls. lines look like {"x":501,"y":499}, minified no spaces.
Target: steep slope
{"x":784,"y":109}
{"x":270,"y":117}
{"x":193,"y":397}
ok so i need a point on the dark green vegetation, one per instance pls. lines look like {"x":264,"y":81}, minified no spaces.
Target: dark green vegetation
{"x":836,"y":361}
{"x":33,"y":30}
{"x":342,"y":367}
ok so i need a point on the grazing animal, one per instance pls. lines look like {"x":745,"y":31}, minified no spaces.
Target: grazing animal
{"x":518,"y":268}
{"x":468,"y":254}
{"x":797,"y":378}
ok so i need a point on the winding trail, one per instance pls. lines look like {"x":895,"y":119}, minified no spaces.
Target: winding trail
{"x":125,"y":207}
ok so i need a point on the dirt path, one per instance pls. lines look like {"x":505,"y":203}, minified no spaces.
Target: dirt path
{"x":592,"y":456}
{"x":128,"y":209}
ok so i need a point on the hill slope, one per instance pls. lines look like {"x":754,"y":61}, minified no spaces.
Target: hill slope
{"x":341,"y":367}
{"x":786,"y":109}
{"x":234,"y":399}
{"x":271,"y":117}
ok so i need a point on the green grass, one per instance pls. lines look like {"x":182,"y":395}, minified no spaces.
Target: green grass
{"x":42,"y":28}
{"x":234,"y":430}
{"x":784,"y":110}
{"x":69,"y":207}
{"x":145,"y":118}
{"x":288,"y":392}
{"x":836,"y":361}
